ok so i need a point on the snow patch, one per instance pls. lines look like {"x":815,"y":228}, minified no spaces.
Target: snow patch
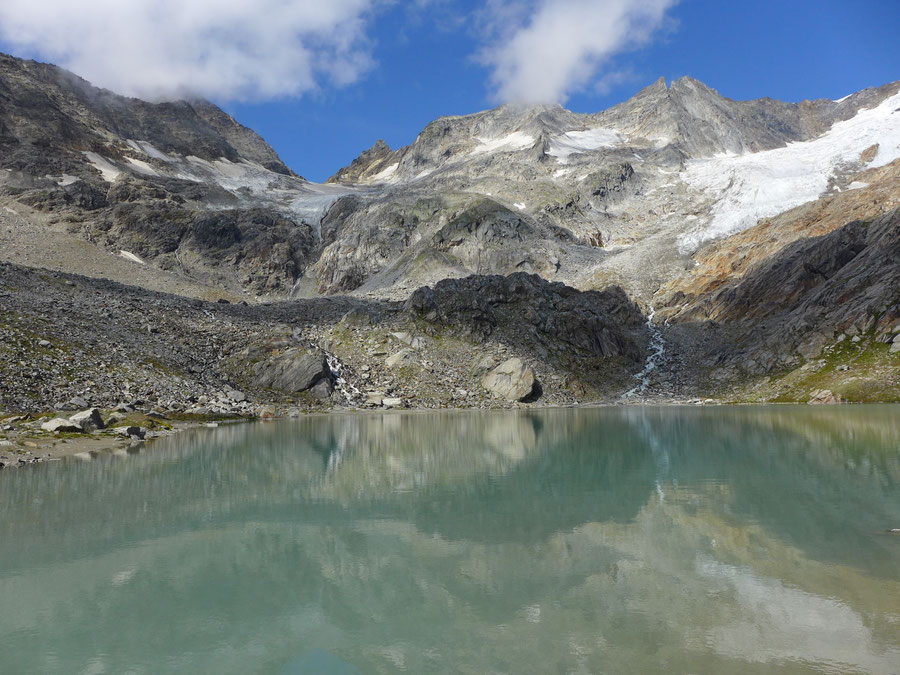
{"x":514,"y":141}
{"x":148,"y":149}
{"x":857,"y":185}
{"x":128,"y":255}
{"x":520,"y":206}
{"x":763,"y":184}
{"x":574,"y":142}
{"x":142,"y":167}
{"x":106,"y":168}
{"x":387,"y":173}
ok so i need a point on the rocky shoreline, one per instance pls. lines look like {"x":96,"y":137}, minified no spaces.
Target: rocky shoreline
{"x":79,"y":355}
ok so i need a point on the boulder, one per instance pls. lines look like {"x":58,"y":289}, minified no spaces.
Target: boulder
{"x":61,"y":424}
{"x":375,"y":397}
{"x":512,"y":380}
{"x":89,"y":420}
{"x":293,"y":371}
{"x":403,"y":358}
{"x":322,"y":389}
{"x":74,"y":404}
{"x":393,"y":403}
{"x":824,"y":397}
{"x":132,"y":432}
{"x":416,"y":342}
{"x":115,"y":418}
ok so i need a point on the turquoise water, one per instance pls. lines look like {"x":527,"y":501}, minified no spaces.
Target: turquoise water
{"x":726,"y":540}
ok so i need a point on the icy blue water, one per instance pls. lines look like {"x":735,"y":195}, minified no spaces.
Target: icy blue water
{"x":727,"y":540}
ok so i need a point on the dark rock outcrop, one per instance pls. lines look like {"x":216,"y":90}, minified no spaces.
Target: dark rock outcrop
{"x":526,"y":307}
{"x":293,"y":371}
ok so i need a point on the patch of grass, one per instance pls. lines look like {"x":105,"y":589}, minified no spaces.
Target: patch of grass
{"x":873,"y":374}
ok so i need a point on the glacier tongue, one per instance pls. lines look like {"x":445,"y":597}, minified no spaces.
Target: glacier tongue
{"x":762,"y":184}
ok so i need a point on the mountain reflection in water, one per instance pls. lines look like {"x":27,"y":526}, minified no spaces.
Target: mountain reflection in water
{"x":617,"y":539}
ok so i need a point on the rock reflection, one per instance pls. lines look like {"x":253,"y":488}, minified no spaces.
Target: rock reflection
{"x":626,"y":539}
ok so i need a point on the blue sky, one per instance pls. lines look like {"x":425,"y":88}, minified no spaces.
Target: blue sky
{"x":372,"y":69}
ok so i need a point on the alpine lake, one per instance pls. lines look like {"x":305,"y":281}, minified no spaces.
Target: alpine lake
{"x":624,"y":539}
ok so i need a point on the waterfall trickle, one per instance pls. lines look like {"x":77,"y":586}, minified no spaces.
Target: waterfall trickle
{"x":348,"y":391}
{"x":657,"y":347}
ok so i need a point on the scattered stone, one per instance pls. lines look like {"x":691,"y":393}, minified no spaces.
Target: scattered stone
{"x":115,"y":418}
{"x":375,"y":398}
{"x":356,"y":317}
{"x":131,"y":432}
{"x":268,"y":412}
{"x":76,"y":403}
{"x":322,"y":389}
{"x":88,"y":420}
{"x":403,"y":358}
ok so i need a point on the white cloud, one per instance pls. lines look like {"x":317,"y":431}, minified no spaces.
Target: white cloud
{"x":224,"y":49}
{"x":543,"y":50}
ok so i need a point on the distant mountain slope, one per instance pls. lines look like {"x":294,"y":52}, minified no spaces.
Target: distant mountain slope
{"x":179,"y":184}
{"x":625,"y":195}
{"x":48,"y":116}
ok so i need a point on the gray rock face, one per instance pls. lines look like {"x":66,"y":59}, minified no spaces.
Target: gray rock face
{"x":178,"y":184}
{"x":42,"y":99}
{"x":560,"y":194}
{"x":88,"y":420}
{"x":512,"y":380}
{"x":295,"y":370}
{"x":583,"y":199}
{"x":803,"y":298}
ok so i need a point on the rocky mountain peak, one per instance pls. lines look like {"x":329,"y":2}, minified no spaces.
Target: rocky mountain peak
{"x":49,"y":108}
{"x":686,"y":118}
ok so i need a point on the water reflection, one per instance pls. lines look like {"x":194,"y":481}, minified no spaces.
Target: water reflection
{"x":571,"y":540}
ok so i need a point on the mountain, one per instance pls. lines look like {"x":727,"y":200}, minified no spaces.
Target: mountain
{"x":181,"y":183}
{"x":760,"y":237}
{"x":624,"y":196}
